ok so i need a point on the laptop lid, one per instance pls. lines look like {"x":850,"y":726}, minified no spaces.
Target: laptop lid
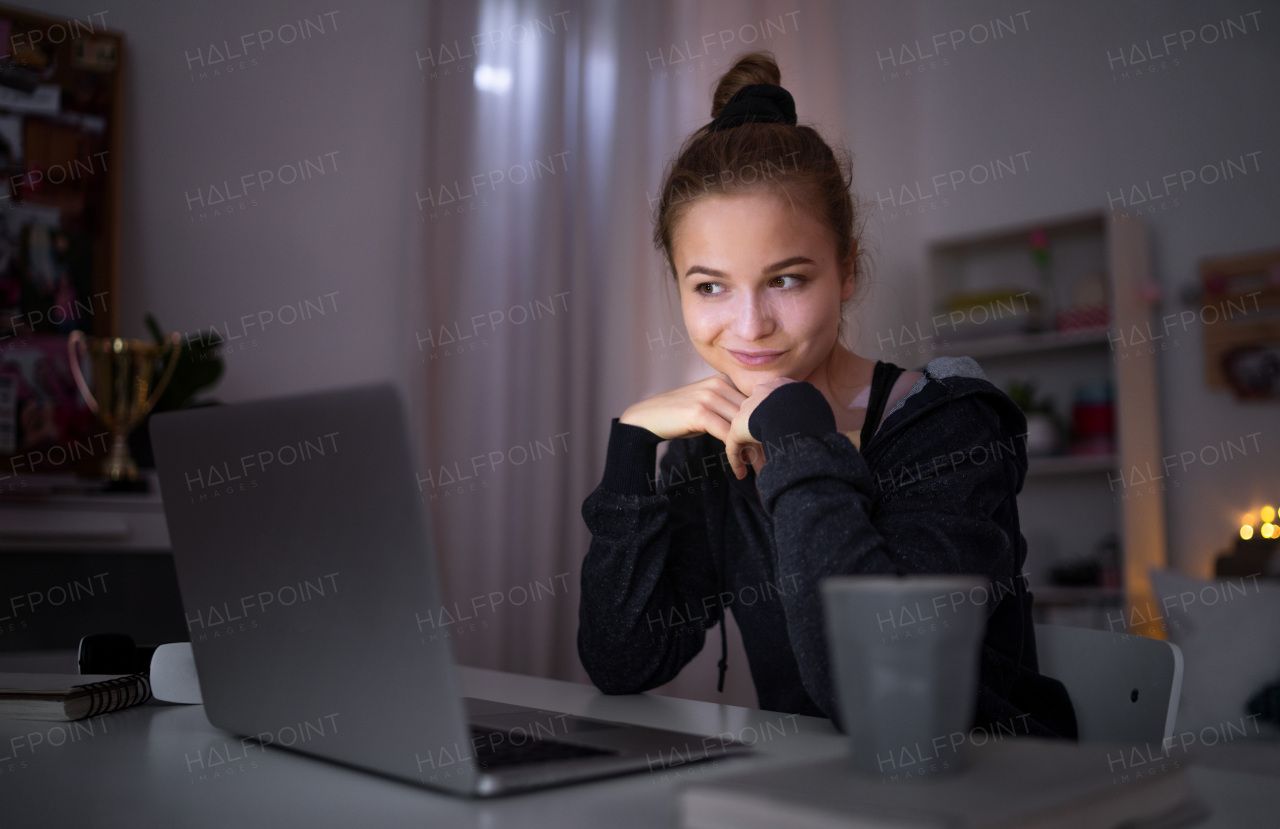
{"x":306,"y":565}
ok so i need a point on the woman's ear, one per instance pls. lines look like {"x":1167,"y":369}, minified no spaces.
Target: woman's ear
{"x":848,"y":274}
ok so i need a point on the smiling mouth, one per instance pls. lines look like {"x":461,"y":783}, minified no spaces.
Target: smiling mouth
{"x":756,"y":358}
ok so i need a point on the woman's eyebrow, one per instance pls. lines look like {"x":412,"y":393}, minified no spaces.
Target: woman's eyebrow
{"x":703,"y":269}
{"x":777,"y":266}
{"x":788,"y":263}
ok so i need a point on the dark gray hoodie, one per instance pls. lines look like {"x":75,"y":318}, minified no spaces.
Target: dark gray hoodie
{"x":931,"y":492}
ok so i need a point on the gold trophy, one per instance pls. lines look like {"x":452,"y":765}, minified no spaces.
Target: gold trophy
{"x":122,"y":394}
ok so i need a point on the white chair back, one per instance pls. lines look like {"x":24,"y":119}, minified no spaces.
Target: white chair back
{"x":1124,"y":688}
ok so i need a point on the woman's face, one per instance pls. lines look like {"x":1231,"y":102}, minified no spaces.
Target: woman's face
{"x":760,"y":286}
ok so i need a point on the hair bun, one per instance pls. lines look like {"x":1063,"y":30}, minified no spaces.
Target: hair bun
{"x":761,"y":103}
{"x":750,"y":69}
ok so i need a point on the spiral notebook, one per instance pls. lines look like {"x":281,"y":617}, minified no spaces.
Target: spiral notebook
{"x":69,"y":696}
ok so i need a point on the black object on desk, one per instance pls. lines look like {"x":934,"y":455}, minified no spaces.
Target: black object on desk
{"x":114,"y":653}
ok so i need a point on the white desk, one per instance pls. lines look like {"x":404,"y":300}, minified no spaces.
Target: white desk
{"x":128,"y":522}
{"x":134,"y":768}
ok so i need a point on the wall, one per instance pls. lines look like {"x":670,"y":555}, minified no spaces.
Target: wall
{"x":311,"y":270}
{"x":1061,"y":88}
{"x":350,"y":98}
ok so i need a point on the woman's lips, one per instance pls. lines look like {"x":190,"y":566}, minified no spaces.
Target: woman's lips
{"x":756,"y":358}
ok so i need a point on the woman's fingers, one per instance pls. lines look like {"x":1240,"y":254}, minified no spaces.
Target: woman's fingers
{"x":742,"y":449}
{"x":744,"y":455}
{"x":717,"y":404}
{"x":726,"y":387}
{"x":732,"y":452}
{"x":713,"y":423}
{"x":713,"y":406}
{"x":708,"y":406}
{"x":735,"y":464}
{"x":723,"y":402}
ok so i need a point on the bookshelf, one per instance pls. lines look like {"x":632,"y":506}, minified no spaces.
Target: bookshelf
{"x":61,"y":158}
{"x":1074,"y":269}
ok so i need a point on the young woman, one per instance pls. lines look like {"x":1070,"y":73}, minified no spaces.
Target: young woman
{"x":800,"y":459}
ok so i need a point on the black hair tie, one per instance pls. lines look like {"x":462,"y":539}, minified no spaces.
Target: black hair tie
{"x":762,"y":103}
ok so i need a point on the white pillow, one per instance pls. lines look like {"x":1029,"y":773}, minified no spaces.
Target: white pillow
{"x":1229,"y":633}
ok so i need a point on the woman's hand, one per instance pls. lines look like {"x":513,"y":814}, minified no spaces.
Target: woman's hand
{"x":740,"y":446}
{"x":705,"y":407}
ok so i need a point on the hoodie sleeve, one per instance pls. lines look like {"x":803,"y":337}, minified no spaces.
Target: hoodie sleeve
{"x":649,"y":582}
{"x":941,"y":501}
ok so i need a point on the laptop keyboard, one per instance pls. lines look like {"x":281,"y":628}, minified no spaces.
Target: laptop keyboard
{"x":498,"y":749}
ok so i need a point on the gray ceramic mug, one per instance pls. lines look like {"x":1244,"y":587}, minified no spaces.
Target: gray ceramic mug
{"x":904,"y":658}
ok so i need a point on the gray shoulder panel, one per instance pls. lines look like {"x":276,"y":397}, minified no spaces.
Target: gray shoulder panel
{"x":940,"y":368}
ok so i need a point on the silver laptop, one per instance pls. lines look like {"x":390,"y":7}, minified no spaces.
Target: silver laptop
{"x":304,"y":555}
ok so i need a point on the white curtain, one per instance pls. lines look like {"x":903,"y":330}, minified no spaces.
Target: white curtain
{"x":548,"y":311}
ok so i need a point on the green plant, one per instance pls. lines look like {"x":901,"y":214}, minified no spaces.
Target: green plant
{"x":1023,"y":393}
{"x":199,"y":367}
{"x":1034,"y":406}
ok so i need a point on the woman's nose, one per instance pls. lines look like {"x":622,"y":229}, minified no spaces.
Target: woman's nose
{"x":754,"y":319}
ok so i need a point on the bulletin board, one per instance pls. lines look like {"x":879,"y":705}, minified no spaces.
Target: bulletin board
{"x":1240,"y":314}
{"x":60,"y":160}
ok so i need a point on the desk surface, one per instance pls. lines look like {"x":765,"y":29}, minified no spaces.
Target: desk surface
{"x":38,"y":520}
{"x":146,"y":763}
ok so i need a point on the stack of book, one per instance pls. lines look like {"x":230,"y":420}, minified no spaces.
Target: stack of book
{"x":69,"y":696}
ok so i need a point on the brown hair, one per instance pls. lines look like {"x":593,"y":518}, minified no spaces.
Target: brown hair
{"x":795,"y":160}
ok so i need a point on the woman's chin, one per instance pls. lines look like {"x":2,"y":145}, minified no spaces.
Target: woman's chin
{"x":746,"y":381}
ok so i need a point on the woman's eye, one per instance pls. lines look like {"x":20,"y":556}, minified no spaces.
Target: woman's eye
{"x":709,"y":288}
{"x":785,"y":281}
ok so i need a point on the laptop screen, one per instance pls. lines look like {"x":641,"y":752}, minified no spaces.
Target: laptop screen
{"x":305,"y":561}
